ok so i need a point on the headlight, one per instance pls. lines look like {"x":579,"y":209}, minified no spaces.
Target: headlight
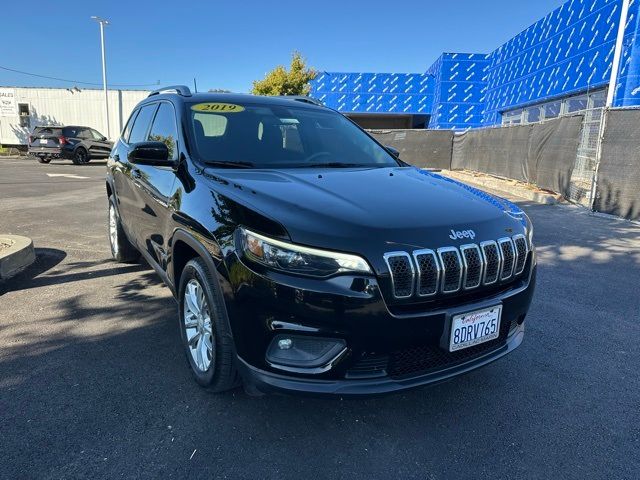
{"x":298,"y":259}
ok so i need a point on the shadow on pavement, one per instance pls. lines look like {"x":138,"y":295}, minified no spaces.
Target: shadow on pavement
{"x":46,"y":259}
{"x":40,"y":274}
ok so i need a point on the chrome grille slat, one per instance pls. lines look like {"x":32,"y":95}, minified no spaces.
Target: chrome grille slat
{"x":451,"y":263}
{"x":522,"y":249}
{"x":427,"y":272}
{"x":508,"y":253}
{"x":473,"y":266}
{"x":492,"y":262}
{"x":402,"y":273}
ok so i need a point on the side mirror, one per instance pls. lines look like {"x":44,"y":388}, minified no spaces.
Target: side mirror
{"x":392,"y":151}
{"x":151,"y":153}
{"x":104,"y":139}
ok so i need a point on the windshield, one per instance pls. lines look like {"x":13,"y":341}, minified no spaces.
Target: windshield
{"x":274,"y":136}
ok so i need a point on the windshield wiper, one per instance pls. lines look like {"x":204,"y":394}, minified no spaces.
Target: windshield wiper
{"x":220,"y":163}
{"x":334,"y":165}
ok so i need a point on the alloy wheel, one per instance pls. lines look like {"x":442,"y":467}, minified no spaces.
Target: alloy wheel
{"x":197,"y":325}
{"x":113,"y":229}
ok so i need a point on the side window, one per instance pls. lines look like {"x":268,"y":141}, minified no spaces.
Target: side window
{"x":141,"y":124}
{"x":127,"y":129}
{"x":164,"y":129}
{"x":84,"y":133}
{"x":96,"y":135}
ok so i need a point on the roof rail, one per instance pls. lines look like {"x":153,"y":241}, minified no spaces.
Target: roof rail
{"x":181,"y":90}
{"x":303,"y":98}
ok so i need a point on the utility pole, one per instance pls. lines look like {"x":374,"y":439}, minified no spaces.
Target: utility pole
{"x":102,"y":23}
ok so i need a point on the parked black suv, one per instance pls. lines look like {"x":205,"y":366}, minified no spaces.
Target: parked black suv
{"x":79,"y":144}
{"x":304,"y":256}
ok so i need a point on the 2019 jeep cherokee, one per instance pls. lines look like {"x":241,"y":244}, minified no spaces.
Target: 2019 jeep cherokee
{"x":305,"y":256}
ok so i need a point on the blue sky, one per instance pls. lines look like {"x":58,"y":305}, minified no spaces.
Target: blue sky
{"x":229,"y":44}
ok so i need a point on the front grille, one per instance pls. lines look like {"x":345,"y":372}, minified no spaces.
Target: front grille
{"x":402,"y":273}
{"x":368,"y":366}
{"x":424,"y":359}
{"x":451,"y":269}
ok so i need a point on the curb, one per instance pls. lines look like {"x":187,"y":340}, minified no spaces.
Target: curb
{"x":17,"y":256}
{"x":504,"y":186}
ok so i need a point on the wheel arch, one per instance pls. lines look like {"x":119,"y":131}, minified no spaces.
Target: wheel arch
{"x":184,"y":247}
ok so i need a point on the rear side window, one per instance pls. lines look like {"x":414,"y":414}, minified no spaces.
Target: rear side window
{"x":141,"y":124}
{"x":70,"y":132}
{"x":127,"y":128}
{"x":164,"y":129}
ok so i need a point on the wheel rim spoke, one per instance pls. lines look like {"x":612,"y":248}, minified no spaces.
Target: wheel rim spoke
{"x":191,"y":321}
{"x":191,"y":299}
{"x":194,"y":341}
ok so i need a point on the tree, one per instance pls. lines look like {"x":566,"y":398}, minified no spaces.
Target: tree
{"x":279,"y":81}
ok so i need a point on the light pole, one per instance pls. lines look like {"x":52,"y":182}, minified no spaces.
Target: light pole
{"x":102,"y":23}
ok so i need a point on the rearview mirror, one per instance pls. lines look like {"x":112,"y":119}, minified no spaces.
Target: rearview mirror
{"x":151,"y":153}
{"x":392,"y":151}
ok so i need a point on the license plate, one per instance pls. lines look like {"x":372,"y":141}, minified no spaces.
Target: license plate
{"x":44,"y":140}
{"x":473,"y":328}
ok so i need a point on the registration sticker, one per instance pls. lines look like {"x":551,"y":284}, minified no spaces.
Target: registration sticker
{"x":218,"y":107}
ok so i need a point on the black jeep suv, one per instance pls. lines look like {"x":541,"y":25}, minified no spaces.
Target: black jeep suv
{"x":76,"y":143}
{"x":305,"y":256}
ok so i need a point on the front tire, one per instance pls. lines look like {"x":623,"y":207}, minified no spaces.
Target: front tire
{"x":121,"y":248}
{"x":204,"y":327}
{"x":42,"y":159}
{"x":80,"y":156}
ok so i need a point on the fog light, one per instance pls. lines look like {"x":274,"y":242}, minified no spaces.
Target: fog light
{"x":304,"y":354}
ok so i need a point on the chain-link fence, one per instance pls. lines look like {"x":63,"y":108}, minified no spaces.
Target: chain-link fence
{"x":587,"y":158}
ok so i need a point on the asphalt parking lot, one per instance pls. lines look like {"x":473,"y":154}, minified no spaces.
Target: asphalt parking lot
{"x":93,"y":381}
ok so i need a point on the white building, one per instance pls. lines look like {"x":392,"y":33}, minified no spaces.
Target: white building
{"x":22,"y":108}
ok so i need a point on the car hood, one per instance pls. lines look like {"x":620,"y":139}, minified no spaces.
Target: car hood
{"x":371,"y":209}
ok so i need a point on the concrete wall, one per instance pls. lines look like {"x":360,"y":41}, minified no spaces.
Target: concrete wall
{"x":60,"y":106}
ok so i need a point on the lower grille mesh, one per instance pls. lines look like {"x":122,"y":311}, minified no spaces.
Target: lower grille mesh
{"x":419,"y":360}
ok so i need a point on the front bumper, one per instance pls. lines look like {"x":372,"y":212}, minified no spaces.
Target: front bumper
{"x":388,"y":349}
{"x":269,"y":382}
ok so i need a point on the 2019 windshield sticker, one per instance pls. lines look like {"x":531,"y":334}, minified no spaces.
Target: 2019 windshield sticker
{"x":218,"y":107}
